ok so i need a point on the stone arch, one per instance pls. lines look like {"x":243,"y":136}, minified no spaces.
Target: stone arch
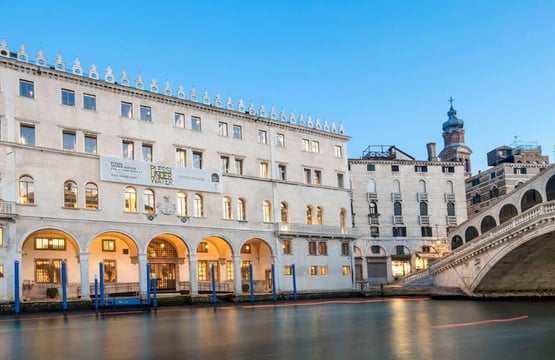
{"x":488,"y":223}
{"x":550,"y":189}
{"x":507,"y":212}
{"x":215,"y":250}
{"x":470,"y":234}
{"x":530,"y":199}
{"x":456,"y":242}
{"x":166,"y":254}
{"x":258,"y":253}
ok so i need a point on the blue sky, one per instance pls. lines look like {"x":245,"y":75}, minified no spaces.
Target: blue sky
{"x":385,"y":69}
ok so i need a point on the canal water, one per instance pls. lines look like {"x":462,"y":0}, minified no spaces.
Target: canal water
{"x":340,"y":329}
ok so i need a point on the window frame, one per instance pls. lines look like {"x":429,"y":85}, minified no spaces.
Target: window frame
{"x":126,"y":109}
{"x":27,"y":129}
{"x":27,"y":88}
{"x":237,"y":132}
{"x":69,"y":135}
{"x":87,"y":142}
{"x":196,"y":123}
{"x":179,"y":120}
{"x":68,"y":97}
{"x":145,"y":113}
{"x":89,"y":102}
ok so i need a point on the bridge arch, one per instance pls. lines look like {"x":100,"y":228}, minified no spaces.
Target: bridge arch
{"x":530,"y":198}
{"x":507,"y":212}
{"x":470,"y":234}
{"x":550,"y":188}
{"x":456,"y":242}
{"x":488,"y":223}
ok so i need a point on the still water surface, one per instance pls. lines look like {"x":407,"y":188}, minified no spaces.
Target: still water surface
{"x":388,"y":329}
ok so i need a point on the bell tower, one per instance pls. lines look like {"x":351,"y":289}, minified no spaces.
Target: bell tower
{"x":454,"y":148}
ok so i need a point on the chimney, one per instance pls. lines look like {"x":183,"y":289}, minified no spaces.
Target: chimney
{"x":431,"y":151}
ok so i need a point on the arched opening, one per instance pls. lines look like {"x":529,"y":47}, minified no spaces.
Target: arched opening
{"x":320,"y":215}
{"x":400,"y":261}
{"x":530,"y":199}
{"x":226,"y":208}
{"x":342,"y":217}
{"x":372,"y":186}
{"x":396,"y":186}
{"x":267,"y":211}
{"x":422,"y":186}
{"x":41,"y":264}
{"x":456,"y":242}
{"x":119,"y":254}
{"x":376,"y":265}
{"x":309,"y":214}
{"x":284,"y":212}
{"x":70,"y":194}
{"x":241,"y":209}
{"x":449,"y":187}
{"x":470,"y":234}
{"x":166,"y":254}
{"x":26,"y":190}
{"x":488,"y":223}
{"x":550,"y":189}
{"x":214,"y":252}
{"x":423,"y":208}
{"x":91,"y":196}
{"x":507,"y":212}
{"x":257,"y":253}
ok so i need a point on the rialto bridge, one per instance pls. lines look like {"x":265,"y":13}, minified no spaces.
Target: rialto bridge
{"x":508,"y":249}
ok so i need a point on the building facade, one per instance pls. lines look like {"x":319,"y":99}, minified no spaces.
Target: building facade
{"x":107,"y":176}
{"x":403,"y":208}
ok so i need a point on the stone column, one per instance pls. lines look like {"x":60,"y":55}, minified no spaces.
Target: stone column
{"x":193,"y":278}
{"x":237,"y":272}
{"x":143,"y":276}
{"x":84,"y":268}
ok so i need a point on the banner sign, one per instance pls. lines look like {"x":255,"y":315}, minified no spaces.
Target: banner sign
{"x":153,"y":174}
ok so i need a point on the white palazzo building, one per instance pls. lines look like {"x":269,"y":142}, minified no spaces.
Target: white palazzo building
{"x":98,"y":168}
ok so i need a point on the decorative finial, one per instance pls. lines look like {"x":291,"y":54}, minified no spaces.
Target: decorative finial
{"x":451,"y":101}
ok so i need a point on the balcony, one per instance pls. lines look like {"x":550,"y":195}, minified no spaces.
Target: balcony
{"x":374,"y":219}
{"x":288,"y":229}
{"x":372,"y":196}
{"x":424,"y":220}
{"x":449,"y":197}
{"x":397,"y":219}
{"x":451,"y":220}
{"x":396,"y":197}
{"x":422,"y":196}
{"x":7,"y":209}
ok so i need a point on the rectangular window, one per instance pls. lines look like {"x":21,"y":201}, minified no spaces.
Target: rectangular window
{"x":286,"y":246}
{"x":90,"y":144}
{"x":128,"y":150}
{"x":282,"y":173}
{"x":264,"y":170}
{"x":426,"y":231}
{"x":317,"y":177}
{"x":245,"y":270}
{"x":1,"y":270}
{"x":147,"y":152}
{"x":197,"y":159}
{"x":316,"y":147}
{"x":126,"y":109}
{"x":27,"y":89}
{"x":313,"y":270}
{"x":345,"y":249}
{"x":50,"y":244}
{"x":374,"y":231}
{"x":475,"y":182}
{"x":370,"y":167}
{"x":312,"y":248}
{"x":46,"y":268}
{"x":395,"y":168}
{"x":109,"y":270}
{"x":229,"y":270}
{"x":239,"y":166}
{"x":399,"y":231}
{"x":288,"y":270}
{"x":27,"y":135}
{"x":68,"y":97}
{"x":179,"y":120}
{"x":202,"y":247}
{"x":448,"y":169}
{"x":224,"y":164}
{"x":340,"y":181}
{"x":420,"y":168}
{"x":338,"y":151}
{"x":89,"y":102}
{"x":322,"y":248}
{"x":1,"y":236}
{"x":262,"y":137}
{"x":237,"y":132}
{"x":375,"y":249}
{"x":108,"y":245}
{"x":307,"y":176}
{"x":280,"y":140}
{"x":145,"y":113}
{"x":195,"y":123}
{"x":222,"y":129}
{"x":519,"y":170}
{"x":346,"y":270}
{"x":306,"y":145}
{"x":323,"y":270}
{"x":68,"y":139}
{"x":180,"y":157}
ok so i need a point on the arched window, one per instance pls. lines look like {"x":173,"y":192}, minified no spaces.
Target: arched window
{"x":373,"y":208}
{"x":241,"y":209}
{"x":226,"y":208}
{"x":267,"y":211}
{"x":198,"y":206}
{"x":423,"y":208}
{"x":309,"y":214}
{"x":70,"y":194}
{"x":130,"y":199}
{"x":91,"y":196}
{"x":181,"y":206}
{"x":284,"y":212}
{"x":494,"y":192}
{"x":372,"y":186}
{"x":320,"y":215}
{"x":422,"y":186}
{"x":450,"y":209}
{"x":550,"y":189}
{"x":149,"y":202}
{"x":396,"y":186}
{"x":26,"y":190}
{"x":397,"y":209}
{"x":449,"y":187}
{"x":342,"y":217}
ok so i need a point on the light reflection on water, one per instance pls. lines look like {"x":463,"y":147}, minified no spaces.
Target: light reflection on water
{"x":393,"y":329}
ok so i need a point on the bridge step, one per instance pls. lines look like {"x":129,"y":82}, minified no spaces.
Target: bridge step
{"x":426,"y":281}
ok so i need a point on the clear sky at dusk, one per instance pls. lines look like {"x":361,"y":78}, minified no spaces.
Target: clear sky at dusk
{"x":385,"y":69}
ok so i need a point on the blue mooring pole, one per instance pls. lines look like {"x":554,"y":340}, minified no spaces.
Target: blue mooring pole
{"x":251,"y":282}
{"x":95,"y":294}
{"x":273,"y":284}
{"x":294,"y":282}
{"x":101,"y":276}
{"x":64,"y":287}
{"x":154,"y":292}
{"x":16,"y":286}
{"x":214,"y":299}
{"x":148,"y":283}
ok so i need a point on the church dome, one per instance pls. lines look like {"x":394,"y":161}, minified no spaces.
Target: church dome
{"x":453,"y":123}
